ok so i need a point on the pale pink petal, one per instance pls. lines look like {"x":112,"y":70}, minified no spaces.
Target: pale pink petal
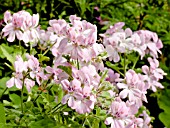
{"x":29,"y":84}
{"x":128,"y":32}
{"x":116,"y":56}
{"x":122,"y":85}
{"x":49,"y":69}
{"x":65,"y":98}
{"x":32,"y":75}
{"x":159,"y":44}
{"x":9,"y":27}
{"x":145,"y":69}
{"x":35,"y":20}
{"x":11,"y":36}
{"x":10,"y":82}
{"x":136,"y":92}
{"x":19,"y":34}
{"x":124,"y":93}
{"x":119,"y":123}
{"x":152,"y":47}
{"x":7,"y":17}
{"x":108,"y":120}
{"x":18,"y":83}
{"x":62,"y":45}
{"x":26,"y":36}
{"x":65,"y":84}
{"x":71,"y":102}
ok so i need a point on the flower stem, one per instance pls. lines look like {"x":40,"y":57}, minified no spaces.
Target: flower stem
{"x":135,"y":62}
{"x":37,"y":96}
{"x":56,"y":108}
{"x":22,"y":97}
{"x":125,"y":63}
{"x":22,"y":92}
{"x":49,"y":48}
{"x":3,"y":92}
{"x":20,"y":44}
{"x":78,"y":66}
{"x":42,"y":91}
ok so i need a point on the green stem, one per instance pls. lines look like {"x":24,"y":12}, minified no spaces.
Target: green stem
{"x":30,"y":47}
{"x":3,"y":92}
{"x":118,"y":71}
{"x":78,"y":66}
{"x":20,"y":44}
{"x":88,"y":123}
{"x":22,"y":92}
{"x":86,"y":120}
{"x":38,"y":96}
{"x":135,"y":62}
{"x":49,"y":48}
{"x":41,"y":93}
{"x":22,"y":97}
{"x":57,"y":107}
{"x":125,"y":63}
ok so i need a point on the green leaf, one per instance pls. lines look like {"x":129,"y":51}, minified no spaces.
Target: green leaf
{"x":60,"y":94}
{"x":2,"y":116}
{"x":103,"y":125}
{"x":95,"y":123}
{"x":7,"y":48}
{"x":113,"y":66}
{"x":7,"y":54}
{"x":105,"y":94}
{"x":3,"y":82}
{"x":44,"y":123}
{"x":43,"y":58}
{"x":163,"y":102}
{"x":164,"y":116}
{"x":103,"y":76}
{"x":15,"y":99}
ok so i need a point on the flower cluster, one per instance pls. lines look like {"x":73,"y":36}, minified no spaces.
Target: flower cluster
{"x":78,"y":65}
{"x":116,"y":40}
{"x":123,"y":116}
{"x":153,"y":74}
{"x":80,"y":91}
{"x":77,"y":39}
{"x":26,"y":73}
{"x":21,"y":25}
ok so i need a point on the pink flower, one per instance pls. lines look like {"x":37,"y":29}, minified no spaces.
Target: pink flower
{"x":30,"y":31}
{"x":20,"y":66}
{"x":153,"y":74}
{"x":116,"y":40}
{"x":133,"y":88}
{"x":57,"y":26}
{"x":22,"y":25}
{"x":79,"y":94}
{"x":16,"y":80}
{"x":150,"y":41}
{"x":35,"y":70}
{"x":33,"y":64}
{"x":13,"y":28}
{"x":7,"y":17}
{"x":60,"y":47}
{"x":120,"y":113}
{"x":112,"y":77}
{"x":29,"y":84}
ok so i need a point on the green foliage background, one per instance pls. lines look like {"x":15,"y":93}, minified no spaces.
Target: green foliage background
{"x":153,"y":15}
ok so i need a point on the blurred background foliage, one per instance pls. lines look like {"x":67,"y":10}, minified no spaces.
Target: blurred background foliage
{"x":153,"y":15}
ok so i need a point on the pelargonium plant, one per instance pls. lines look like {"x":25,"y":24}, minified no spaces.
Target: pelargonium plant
{"x":91,"y":83}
